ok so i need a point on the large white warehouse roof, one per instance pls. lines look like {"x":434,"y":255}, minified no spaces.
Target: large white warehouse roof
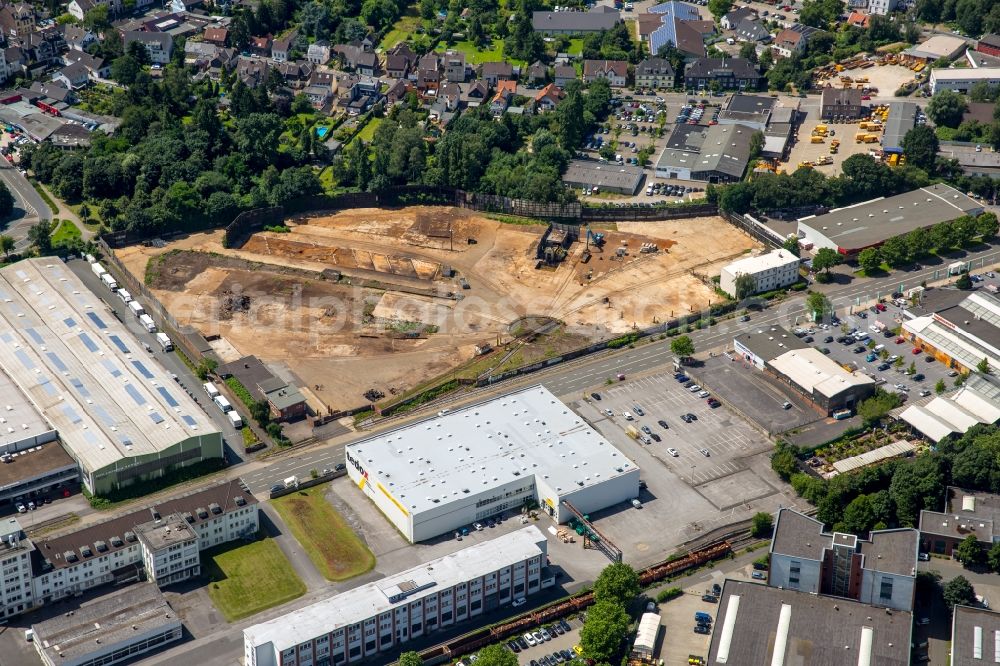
{"x":82,"y":369}
{"x":529,"y":433}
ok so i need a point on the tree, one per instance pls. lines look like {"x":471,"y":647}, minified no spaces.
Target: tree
{"x":818,"y":305}
{"x":964,"y":281}
{"x":984,"y":366}
{"x":895,"y":251}
{"x":603,"y":631}
{"x":260,"y":411}
{"x":745,"y":285}
{"x":820,"y":13}
{"x":959,"y":591}
{"x":940,"y":387}
{"x":6,"y":245}
{"x":946,"y":108}
{"x":617,"y":583}
{"x":40,"y":236}
{"x":96,"y":20}
{"x":987,"y":225}
{"x":969,"y":552}
{"x":682,"y":346}
{"x":719,"y":8}
{"x":792,"y":245}
{"x":410,"y":659}
{"x":784,"y":462}
{"x":869,"y":259}
{"x":873,"y":409}
{"x":993,"y":557}
{"x":762,"y":524}
{"x":921,"y":146}
{"x":756,"y":144}
{"x":496,"y":655}
{"x":826,"y":259}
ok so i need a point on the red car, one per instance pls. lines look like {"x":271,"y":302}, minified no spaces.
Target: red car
{"x":900,"y":340}
{"x":916,"y":351}
{"x":880,"y":307}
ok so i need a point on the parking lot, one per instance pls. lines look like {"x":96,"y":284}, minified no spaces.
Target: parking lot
{"x":690,"y":494}
{"x":535,"y":655}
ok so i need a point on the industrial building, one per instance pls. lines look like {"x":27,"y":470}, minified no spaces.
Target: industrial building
{"x":976,"y":402}
{"x":816,"y":376}
{"x":959,"y":328}
{"x":752,"y":111}
{"x":446,"y":472}
{"x":774,"y":270}
{"x":38,"y":471}
{"x":714,"y":154}
{"x":285,"y":401}
{"x":116,"y":410}
{"x":851,"y":229}
{"x":965,"y":513}
{"x":606,"y":176}
{"x":962,"y":80}
{"x":879,"y":571}
{"x":379,"y":616}
{"x":937,"y":47}
{"x":760,"y":624}
{"x":975,"y":636}
{"x":973,"y":162}
{"x":903,"y":116}
{"x":112,"y":630}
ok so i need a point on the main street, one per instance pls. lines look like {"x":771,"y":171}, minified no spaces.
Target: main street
{"x":29,"y":208}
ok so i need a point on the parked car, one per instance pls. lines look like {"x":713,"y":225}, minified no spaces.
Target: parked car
{"x":673,"y":452}
{"x":638,"y":410}
{"x":520,"y":601}
{"x":663,"y":424}
{"x":759,"y":575}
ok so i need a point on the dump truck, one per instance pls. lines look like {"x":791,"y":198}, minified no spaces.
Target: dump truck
{"x":817,"y":139}
{"x":860,"y":137}
{"x":872,"y":138}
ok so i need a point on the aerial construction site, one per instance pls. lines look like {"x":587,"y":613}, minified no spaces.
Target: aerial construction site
{"x":387,"y":299}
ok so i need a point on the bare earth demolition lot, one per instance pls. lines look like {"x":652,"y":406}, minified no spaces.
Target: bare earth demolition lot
{"x":398,"y":315}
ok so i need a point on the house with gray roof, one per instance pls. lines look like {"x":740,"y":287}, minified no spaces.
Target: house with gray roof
{"x":572,"y":22}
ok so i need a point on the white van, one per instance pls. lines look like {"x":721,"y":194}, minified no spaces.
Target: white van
{"x":861,"y":335}
{"x":211,"y":390}
{"x":164,"y":341}
{"x":878,"y":348}
{"x":136,"y":308}
{"x":147,"y":323}
{"x":234,"y":418}
{"x":109,"y":281}
{"x":125,"y":296}
{"x":221,"y":402}
{"x":97,"y":269}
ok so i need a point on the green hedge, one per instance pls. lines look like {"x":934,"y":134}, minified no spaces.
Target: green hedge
{"x":241,"y":392}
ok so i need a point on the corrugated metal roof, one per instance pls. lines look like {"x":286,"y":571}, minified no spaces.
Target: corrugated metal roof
{"x":870,"y":457}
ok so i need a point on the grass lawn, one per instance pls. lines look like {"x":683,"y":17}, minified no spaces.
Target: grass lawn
{"x":474,"y":56}
{"x":326,"y":180}
{"x":249,"y":578}
{"x":405,"y":26}
{"x":328,"y":540}
{"x":575,"y":47}
{"x":368,"y":131}
{"x":65,"y":232}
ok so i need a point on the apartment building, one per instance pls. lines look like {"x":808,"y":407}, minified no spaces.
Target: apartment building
{"x":776,"y":269}
{"x":15,"y":569}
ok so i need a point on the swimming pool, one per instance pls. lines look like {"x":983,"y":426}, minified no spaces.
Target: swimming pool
{"x":321,"y":131}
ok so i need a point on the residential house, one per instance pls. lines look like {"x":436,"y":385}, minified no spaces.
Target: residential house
{"x":722,"y":74}
{"x":295,"y":73}
{"x":455,"y":70}
{"x":842,"y":103}
{"x":74,"y":76}
{"x":252,"y":71}
{"x":318,"y":53}
{"x":704,"y":28}
{"x":883,"y":7}
{"x":505,"y":92}
{"x":428,"y":73}
{"x":574,"y":23}
{"x":281,"y":46}
{"x":449,"y":96}
{"x":200,"y":55}
{"x":158,"y":45}
{"x":356,"y":58}
{"x":261,"y":46}
{"x":98,"y":68}
{"x":319,"y":96}
{"x":476,"y":93}
{"x":397,"y":91}
{"x":654,"y":73}
{"x":216,"y":35}
{"x":493,"y":72}
{"x":44,"y":46}
{"x":563,"y":74}
{"x":77,"y":37}
{"x":14,"y":62}
{"x":538,"y":73}
{"x":751,"y":30}
{"x":397,"y":66}
{"x":358,"y":93}
{"x":79,"y":8}
{"x":548,"y":98}
{"x":615,"y":71}
{"x":793,"y":40}
{"x":182,"y":6}
{"x":730,"y":20}
{"x":859,"y":19}
{"x":54,"y":91}
{"x":17,"y":20}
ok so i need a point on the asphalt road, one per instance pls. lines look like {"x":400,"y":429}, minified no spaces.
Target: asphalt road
{"x":29,"y":206}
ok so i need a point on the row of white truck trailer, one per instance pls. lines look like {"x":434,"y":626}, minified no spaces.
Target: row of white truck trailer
{"x":147,"y":322}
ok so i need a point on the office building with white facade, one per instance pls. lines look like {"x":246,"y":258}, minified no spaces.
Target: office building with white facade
{"x":15,"y":568}
{"x":774,"y":270}
{"x":379,"y":616}
{"x":880,"y":571}
{"x":448,"y":471}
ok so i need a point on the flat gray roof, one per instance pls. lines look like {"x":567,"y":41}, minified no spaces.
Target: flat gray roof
{"x":34,"y":463}
{"x":111,"y":619}
{"x":965,"y":512}
{"x":85,"y":372}
{"x":872,"y":222}
{"x":902,"y":118}
{"x":592,"y":21}
{"x":798,"y":535}
{"x":770,"y":343}
{"x":754,"y":620}
{"x":975,"y":636}
{"x":603,"y":174}
{"x":515,"y":436}
{"x":892,"y":551}
{"x":748,"y":108}
{"x":19,"y":420}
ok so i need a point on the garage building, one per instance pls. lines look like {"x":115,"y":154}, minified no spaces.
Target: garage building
{"x":443,"y":473}
{"x":903,"y":117}
{"x":851,"y":229}
{"x":117,"y":411}
{"x":962,"y":80}
{"x":606,"y":176}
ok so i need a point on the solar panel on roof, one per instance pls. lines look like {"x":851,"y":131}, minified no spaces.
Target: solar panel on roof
{"x":189,"y":420}
{"x":56,"y":361}
{"x":103,"y":415}
{"x":6,"y":337}
{"x":71,"y":414}
{"x":80,"y":388}
{"x":118,"y":343}
{"x":97,"y":320}
{"x":47,"y":386}
{"x":25,"y":360}
{"x":88,"y":343}
{"x":112,"y":368}
{"x":33,"y":334}
{"x":70,"y":322}
{"x":134,"y":392}
{"x":143,"y":370}
{"x":156,"y":417}
{"x":166,"y":396}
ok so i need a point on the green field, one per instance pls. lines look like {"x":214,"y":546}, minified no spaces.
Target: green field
{"x":329,"y":541}
{"x":368,"y":131}
{"x":66,"y":232}
{"x":575,"y":47}
{"x":251,"y":577}
{"x":404,"y":27}
{"x":474,"y":56}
